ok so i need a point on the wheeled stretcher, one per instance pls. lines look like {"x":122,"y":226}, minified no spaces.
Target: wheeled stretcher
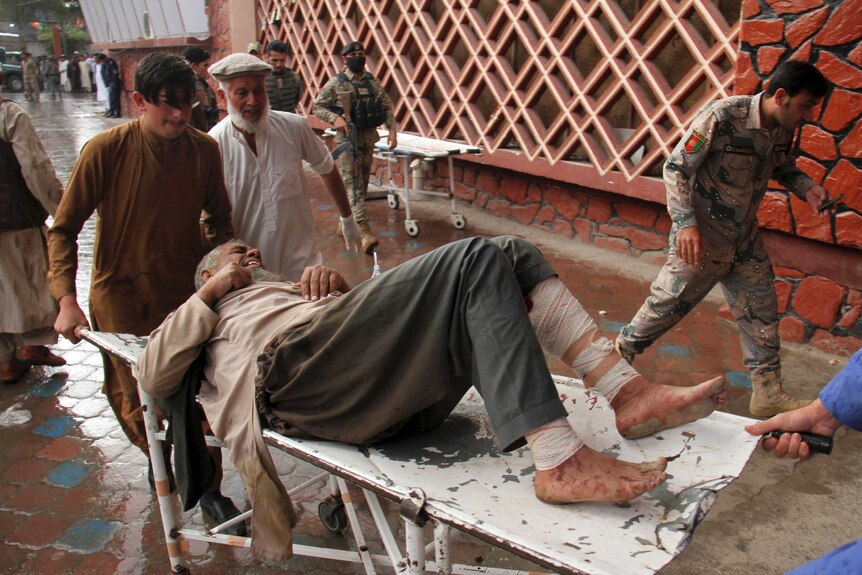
{"x":411,"y":147}
{"x":455,"y":479}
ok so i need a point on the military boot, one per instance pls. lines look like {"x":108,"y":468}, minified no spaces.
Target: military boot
{"x":768,"y":398}
{"x":369,"y":242}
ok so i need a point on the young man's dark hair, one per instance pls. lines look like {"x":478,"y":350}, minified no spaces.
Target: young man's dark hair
{"x":796,"y":77}
{"x":277,"y":46}
{"x":162,"y":70}
{"x":195,"y":55}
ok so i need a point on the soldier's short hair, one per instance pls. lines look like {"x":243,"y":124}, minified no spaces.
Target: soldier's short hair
{"x":795,"y":77}
{"x":162,"y":70}
{"x":277,"y":46}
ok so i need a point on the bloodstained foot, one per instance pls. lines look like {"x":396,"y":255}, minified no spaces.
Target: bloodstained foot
{"x":591,"y":476}
{"x":643,"y":408}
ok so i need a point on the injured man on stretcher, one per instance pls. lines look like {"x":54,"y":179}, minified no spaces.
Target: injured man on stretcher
{"x":477,"y":312}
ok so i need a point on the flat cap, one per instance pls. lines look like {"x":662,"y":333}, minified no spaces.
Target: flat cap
{"x":239,"y":64}
{"x":355,"y":46}
{"x":253,"y":47}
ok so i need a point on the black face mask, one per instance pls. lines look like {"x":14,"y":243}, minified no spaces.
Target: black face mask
{"x":356,"y":64}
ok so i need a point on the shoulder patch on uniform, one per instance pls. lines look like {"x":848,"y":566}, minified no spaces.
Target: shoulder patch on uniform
{"x":694,"y":142}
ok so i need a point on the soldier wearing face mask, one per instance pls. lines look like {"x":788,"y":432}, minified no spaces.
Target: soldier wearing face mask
{"x":370,"y":107}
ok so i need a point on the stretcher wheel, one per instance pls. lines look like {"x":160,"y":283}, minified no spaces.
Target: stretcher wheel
{"x":412,"y":228}
{"x":332,"y":514}
{"x":392,"y":200}
{"x":459,"y":221}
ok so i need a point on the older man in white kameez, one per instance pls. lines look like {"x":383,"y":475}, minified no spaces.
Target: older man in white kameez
{"x":29,"y":191}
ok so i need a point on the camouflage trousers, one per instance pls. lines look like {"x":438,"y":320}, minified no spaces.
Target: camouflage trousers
{"x":747,"y":284}
{"x":355,"y":173}
{"x":31,"y":89}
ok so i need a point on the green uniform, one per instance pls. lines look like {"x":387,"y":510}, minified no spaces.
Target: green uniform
{"x":327,"y":107}
{"x":716,"y":178}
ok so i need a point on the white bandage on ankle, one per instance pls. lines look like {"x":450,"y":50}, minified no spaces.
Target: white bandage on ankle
{"x":614,"y":380}
{"x":560,"y":321}
{"x":592,"y":355}
{"x":557,"y":317}
{"x":553,"y":443}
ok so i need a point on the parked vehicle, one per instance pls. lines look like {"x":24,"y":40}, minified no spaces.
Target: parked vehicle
{"x":10,"y":62}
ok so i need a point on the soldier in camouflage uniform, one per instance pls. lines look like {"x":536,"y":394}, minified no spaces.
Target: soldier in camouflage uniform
{"x":283,"y":87}
{"x":715,"y":179}
{"x":370,"y":107}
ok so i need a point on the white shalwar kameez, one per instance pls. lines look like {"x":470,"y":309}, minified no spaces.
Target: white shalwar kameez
{"x":268,"y":191}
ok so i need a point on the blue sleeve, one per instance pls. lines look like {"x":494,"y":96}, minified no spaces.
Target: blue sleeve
{"x":846,"y":560}
{"x":843,"y":395}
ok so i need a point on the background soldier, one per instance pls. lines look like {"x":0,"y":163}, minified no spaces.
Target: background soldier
{"x":30,"y":75}
{"x":283,"y":87}
{"x":370,"y":107}
{"x":715,"y":179}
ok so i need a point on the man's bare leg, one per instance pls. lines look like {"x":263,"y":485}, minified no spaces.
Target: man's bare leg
{"x":566,"y":331}
{"x":567,"y":471}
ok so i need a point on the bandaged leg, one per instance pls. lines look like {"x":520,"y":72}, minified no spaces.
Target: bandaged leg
{"x":642,"y":408}
{"x":567,"y":471}
{"x":553,"y":443}
{"x":566,"y":331}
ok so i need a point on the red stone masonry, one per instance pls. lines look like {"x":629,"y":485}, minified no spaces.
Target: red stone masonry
{"x":817,"y":309}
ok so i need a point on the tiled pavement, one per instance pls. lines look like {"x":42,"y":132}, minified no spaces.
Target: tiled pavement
{"x":74,"y":497}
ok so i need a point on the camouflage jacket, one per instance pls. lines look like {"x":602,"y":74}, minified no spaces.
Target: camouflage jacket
{"x":327,"y":105}
{"x":717,"y":174}
{"x":284,"y":90}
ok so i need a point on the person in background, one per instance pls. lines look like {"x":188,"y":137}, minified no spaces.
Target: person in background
{"x":30,"y":76}
{"x":254,"y":49}
{"x":370,"y":107}
{"x":29,"y":192}
{"x":284,"y":87}
{"x":111,"y":77}
{"x":52,"y":77}
{"x":86,"y":73}
{"x":205,"y":113}
{"x":63,"y":65}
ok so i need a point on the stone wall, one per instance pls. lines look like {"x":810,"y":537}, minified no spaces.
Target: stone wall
{"x":817,"y":261}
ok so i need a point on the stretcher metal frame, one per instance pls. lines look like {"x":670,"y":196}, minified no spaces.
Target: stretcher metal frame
{"x":412,"y":147}
{"x":413,"y":561}
{"x":590,"y":538}
{"x":426,"y":150}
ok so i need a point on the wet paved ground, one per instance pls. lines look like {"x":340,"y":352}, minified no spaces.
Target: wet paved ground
{"x":74,"y":495}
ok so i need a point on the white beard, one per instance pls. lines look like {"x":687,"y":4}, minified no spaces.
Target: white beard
{"x":262,"y":275}
{"x":243,"y":124}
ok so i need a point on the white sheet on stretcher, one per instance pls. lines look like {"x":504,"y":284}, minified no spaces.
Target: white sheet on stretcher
{"x":414,"y":145}
{"x":468,"y":481}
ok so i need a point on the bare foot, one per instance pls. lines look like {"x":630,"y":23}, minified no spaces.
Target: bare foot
{"x":643,"y":408}
{"x":591,"y":476}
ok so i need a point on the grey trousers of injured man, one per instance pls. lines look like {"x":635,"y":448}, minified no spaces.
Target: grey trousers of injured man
{"x":441,"y":322}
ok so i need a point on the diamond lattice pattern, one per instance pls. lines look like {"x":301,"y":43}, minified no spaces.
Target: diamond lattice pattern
{"x":611,"y":83}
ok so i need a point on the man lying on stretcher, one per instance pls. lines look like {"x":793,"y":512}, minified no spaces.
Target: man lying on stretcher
{"x":475,"y":312}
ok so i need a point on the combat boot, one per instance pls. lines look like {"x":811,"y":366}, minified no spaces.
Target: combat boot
{"x":369,"y":242}
{"x":768,"y":398}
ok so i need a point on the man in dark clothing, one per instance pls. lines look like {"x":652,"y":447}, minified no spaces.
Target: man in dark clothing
{"x":283,"y":87}
{"x":111,"y":78}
